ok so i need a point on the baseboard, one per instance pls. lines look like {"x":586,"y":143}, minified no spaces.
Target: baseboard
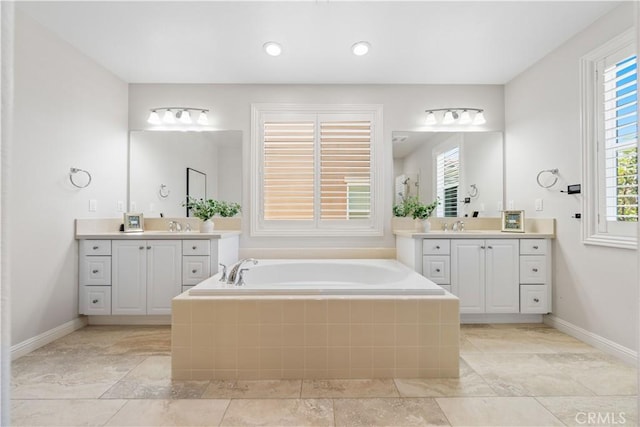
{"x":595,"y":340}
{"x":130,"y":320}
{"x":500,"y":318}
{"x":27,"y":346}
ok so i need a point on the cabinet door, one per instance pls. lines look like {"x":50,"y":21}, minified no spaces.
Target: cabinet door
{"x":164,"y":274}
{"x":129,"y":277}
{"x":467,"y":274}
{"x":502,"y":285}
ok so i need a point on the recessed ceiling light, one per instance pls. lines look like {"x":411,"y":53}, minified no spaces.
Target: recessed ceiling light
{"x":272,"y":48}
{"x":360,"y":48}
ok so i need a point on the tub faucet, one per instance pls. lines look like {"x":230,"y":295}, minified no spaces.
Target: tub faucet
{"x":223,"y":276}
{"x":233,"y":277}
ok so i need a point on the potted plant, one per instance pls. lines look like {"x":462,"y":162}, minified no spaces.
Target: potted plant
{"x":205,"y":209}
{"x":418,"y":210}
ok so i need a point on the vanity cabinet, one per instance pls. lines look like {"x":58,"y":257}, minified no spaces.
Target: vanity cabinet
{"x":436,"y":262}
{"x":485,"y":275}
{"x":95,"y":277}
{"x":535,"y":276}
{"x":147,"y":274}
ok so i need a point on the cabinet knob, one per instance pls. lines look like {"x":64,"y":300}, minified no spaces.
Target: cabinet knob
{"x":95,"y":248}
{"x":535,"y":270}
{"x":141,"y":247}
{"x":194,"y":247}
{"x":95,"y":301}
{"x":535,"y":247}
{"x":95,"y":271}
{"x":489,"y":247}
{"x":194,"y":271}
{"x":481,"y":247}
{"x":437,"y":247}
{"x":536,"y":300}
{"x":148,"y":247}
{"x":437,"y":270}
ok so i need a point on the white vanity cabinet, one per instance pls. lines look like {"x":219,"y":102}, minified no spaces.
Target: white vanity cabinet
{"x":484,"y":275}
{"x":147,"y":274}
{"x":95,"y":277}
{"x":535,"y":276}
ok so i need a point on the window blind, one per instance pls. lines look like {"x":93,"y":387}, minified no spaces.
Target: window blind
{"x":289,"y":170}
{"x":448,"y":181}
{"x":345,"y":170}
{"x":620,"y":140}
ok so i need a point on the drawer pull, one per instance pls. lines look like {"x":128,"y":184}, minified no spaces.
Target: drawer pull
{"x":437,"y":247}
{"x":95,"y":248}
{"x":95,"y":271}
{"x":194,"y":271}
{"x":141,"y":247}
{"x":481,"y":247}
{"x":437,"y":270}
{"x":535,"y":247}
{"x":148,"y":247}
{"x":490,"y":247}
{"x":194,"y":247}
{"x":95,"y":301}
{"x":535,"y":270}
{"x":536,"y":300}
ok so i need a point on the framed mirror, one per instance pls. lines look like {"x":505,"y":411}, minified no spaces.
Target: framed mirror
{"x":464,"y":169}
{"x":158,"y":161}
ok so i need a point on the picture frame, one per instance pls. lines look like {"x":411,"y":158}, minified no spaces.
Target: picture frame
{"x":133,"y":222}
{"x":513,"y":221}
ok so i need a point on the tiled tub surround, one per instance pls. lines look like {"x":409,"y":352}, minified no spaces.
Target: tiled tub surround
{"x":279,"y":337}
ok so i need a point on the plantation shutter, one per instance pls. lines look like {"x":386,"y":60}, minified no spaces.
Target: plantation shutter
{"x":289,"y":170}
{"x":620,"y":93}
{"x":448,"y":181}
{"x":345,"y":170}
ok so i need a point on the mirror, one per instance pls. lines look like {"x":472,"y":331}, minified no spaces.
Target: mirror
{"x":419,"y":158}
{"x":158,"y":169}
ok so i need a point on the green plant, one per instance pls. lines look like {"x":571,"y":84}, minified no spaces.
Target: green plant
{"x":207,"y":209}
{"x":228,"y":209}
{"x":414,"y":207}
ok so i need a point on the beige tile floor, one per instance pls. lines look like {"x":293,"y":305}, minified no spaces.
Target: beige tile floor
{"x":510,"y":375}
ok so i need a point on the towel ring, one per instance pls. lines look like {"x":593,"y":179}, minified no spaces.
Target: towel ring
{"x":553,"y":172}
{"x":73,"y":171}
{"x":164,"y":191}
{"x":473,"y":192}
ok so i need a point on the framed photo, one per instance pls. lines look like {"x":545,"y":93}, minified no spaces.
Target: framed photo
{"x":513,"y":221}
{"x":133,"y":222}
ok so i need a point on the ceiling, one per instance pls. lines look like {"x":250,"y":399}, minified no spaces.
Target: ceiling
{"x":418,"y":42}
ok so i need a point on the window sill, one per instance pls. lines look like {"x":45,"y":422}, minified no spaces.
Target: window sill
{"x":620,"y":242}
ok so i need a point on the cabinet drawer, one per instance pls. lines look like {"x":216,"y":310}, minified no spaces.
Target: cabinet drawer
{"x":95,"y":300}
{"x":533,"y":247}
{"x":437,"y":269}
{"x":95,"y":270}
{"x":435,"y":247}
{"x":534,"y":299}
{"x":195,"y":247}
{"x":195,"y":269}
{"x":95,"y":247}
{"x":533,"y":269}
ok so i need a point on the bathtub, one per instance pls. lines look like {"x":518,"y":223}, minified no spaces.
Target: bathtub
{"x":323,"y":277}
{"x":316,"y":319}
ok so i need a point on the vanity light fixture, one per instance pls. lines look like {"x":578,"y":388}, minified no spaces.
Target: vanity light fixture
{"x":272,"y":48}
{"x":182,"y":114}
{"x":462,"y":116}
{"x":360,"y":48}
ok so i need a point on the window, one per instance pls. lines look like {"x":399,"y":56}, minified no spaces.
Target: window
{"x":448,"y":181}
{"x":315,"y":170}
{"x":610,"y":135}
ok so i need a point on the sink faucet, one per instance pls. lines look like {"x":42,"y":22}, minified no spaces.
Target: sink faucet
{"x":458,"y":226}
{"x":233,"y":277}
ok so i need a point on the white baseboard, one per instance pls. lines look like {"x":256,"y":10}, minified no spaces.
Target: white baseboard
{"x":500,"y":318}
{"x":595,"y":340}
{"x":34,"y":343}
{"x":130,"y":320}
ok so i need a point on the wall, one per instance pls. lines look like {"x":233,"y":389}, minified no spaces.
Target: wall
{"x":403,"y":110}
{"x":68,"y":112}
{"x":595,"y":287}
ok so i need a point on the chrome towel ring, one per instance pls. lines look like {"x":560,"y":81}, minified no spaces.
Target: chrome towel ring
{"x":74,"y":171}
{"x":164,"y":191}
{"x":553,"y":172}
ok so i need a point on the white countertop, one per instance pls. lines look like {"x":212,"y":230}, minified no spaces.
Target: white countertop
{"x":472,"y":234}
{"x":157,"y":235}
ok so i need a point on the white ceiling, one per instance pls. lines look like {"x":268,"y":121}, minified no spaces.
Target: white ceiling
{"x":420,"y":42}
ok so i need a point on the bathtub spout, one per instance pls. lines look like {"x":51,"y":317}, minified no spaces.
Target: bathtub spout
{"x":233,"y":276}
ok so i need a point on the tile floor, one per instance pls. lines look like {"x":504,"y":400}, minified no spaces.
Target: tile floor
{"x":511,"y":375}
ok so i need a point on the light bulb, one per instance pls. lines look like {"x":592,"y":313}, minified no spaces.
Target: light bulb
{"x":185,"y":117}
{"x":154,"y":118}
{"x":272,"y":48}
{"x":431,"y":118}
{"x":203,"y":119}
{"x":449,"y":117}
{"x":168,"y":117}
{"x":465,"y":118}
{"x":360,"y":48}
{"x":479,"y":118}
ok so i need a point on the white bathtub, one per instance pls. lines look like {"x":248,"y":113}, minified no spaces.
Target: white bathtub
{"x":323,"y":277}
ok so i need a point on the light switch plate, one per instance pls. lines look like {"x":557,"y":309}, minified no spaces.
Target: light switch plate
{"x":510,"y":204}
{"x":120,"y":207}
{"x":93,"y":205}
{"x":538,"y":204}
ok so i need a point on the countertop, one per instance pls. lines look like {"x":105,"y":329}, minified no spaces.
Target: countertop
{"x":158,"y":235}
{"x":472,"y":234}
